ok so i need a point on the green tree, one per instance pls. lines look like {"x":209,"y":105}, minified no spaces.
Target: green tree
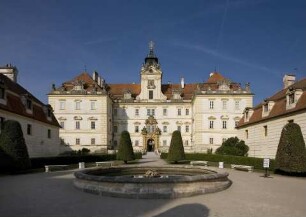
{"x":291,"y":153}
{"x":233,"y":146}
{"x":176,"y":149}
{"x":13,"y":145}
{"x":125,"y":151}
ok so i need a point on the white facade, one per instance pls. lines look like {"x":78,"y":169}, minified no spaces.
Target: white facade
{"x":150,"y":111}
{"x":39,"y":126}
{"x":216,"y":117}
{"x":85,"y":118}
{"x":261,"y":126}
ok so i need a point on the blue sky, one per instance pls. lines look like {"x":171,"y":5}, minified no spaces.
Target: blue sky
{"x":256,"y":41}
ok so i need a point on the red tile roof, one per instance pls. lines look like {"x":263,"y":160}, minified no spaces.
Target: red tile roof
{"x":215,"y":77}
{"x":15,"y":105}
{"x":117,"y":90}
{"x":279,"y":108}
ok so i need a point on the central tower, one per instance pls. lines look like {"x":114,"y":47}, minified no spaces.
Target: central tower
{"x":151,"y":78}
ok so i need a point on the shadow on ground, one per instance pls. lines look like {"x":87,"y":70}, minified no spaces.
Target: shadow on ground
{"x":194,"y":210}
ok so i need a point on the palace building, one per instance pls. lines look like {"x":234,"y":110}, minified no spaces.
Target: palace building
{"x":39,"y":125}
{"x":262,"y":125}
{"x":93,"y":113}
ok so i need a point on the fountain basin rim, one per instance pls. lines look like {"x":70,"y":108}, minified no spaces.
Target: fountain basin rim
{"x":201,"y":174}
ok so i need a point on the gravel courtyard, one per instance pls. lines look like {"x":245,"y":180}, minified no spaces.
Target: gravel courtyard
{"x":53,"y":194}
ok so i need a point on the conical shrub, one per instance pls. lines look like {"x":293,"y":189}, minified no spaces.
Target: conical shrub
{"x":291,"y":154}
{"x":176,"y":149}
{"x":125,"y":150}
{"x":13,"y":145}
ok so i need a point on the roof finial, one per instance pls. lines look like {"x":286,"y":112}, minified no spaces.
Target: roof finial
{"x":85,"y":70}
{"x":151,"y":46}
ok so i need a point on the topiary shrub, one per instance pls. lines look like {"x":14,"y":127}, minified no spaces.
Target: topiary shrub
{"x":233,"y":146}
{"x":125,"y":150}
{"x":291,"y":154}
{"x":176,"y":150}
{"x":13,"y":145}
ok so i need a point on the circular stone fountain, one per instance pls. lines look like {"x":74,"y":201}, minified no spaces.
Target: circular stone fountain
{"x":165,"y":182}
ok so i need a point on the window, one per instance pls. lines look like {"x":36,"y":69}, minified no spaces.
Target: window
{"x":237,"y":104}
{"x":179,"y":112}
{"x":62,"y":123}
{"x":49,"y":134}
{"x":77,"y":125}
{"x":115,"y":129}
{"x":291,"y":98}
{"x":115,"y":112}
{"x":93,"y":141}
{"x":29,"y":129}
{"x":136,"y":129}
{"x":236,"y":123}
{"x":266,"y":108}
{"x":1,"y":123}
{"x":62,"y":105}
{"x":224,"y":139}
{"x":150,"y":112}
{"x":224,"y":104}
{"x":187,"y":128}
{"x":137,"y":112}
{"x":77,"y":141}
{"x":211,"y":124}
{"x":266,"y":130}
{"x":77,"y":105}
{"x":179,"y":128}
{"x":150,"y":94}
{"x":211,"y":104}
{"x":115,"y":144}
{"x":2,"y":92}
{"x":93,"y":125}
{"x":165,"y":112}
{"x":186,"y":143}
{"x":224,"y":124}
{"x":165,"y":129}
{"x":29,"y":104}
{"x":187,"y":111}
{"x":211,"y":141}
{"x":246,"y":134}
{"x":164,"y":142}
{"x":136,"y":142}
{"x":93,"y":105}
{"x":49,"y":112}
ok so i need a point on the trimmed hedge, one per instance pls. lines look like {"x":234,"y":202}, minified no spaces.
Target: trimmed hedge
{"x":176,"y":150}
{"x":42,"y":161}
{"x":125,"y":151}
{"x":67,"y":160}
{"x":227,"y":159}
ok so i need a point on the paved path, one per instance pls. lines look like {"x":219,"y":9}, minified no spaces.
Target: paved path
{"x":52,"y":194}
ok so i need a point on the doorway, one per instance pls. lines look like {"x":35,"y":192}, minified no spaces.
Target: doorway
{"x":150,"y":145}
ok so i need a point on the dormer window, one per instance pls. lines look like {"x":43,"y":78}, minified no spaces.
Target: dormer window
{"x":267,"y":107}
{"x":127,"y":94}
{"x":29,"y":104}
{"x":2,"y":93}
{"x":248,"y":112}
{"x":292,"y":97}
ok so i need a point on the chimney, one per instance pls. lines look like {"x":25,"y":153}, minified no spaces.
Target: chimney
{"x":288,"y":80}
{"x":182,"y":83}
{"x":99,"y":81}
{"x":95,"y":76}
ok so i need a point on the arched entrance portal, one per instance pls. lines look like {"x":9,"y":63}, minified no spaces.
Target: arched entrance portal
{"x":150,"y":145}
